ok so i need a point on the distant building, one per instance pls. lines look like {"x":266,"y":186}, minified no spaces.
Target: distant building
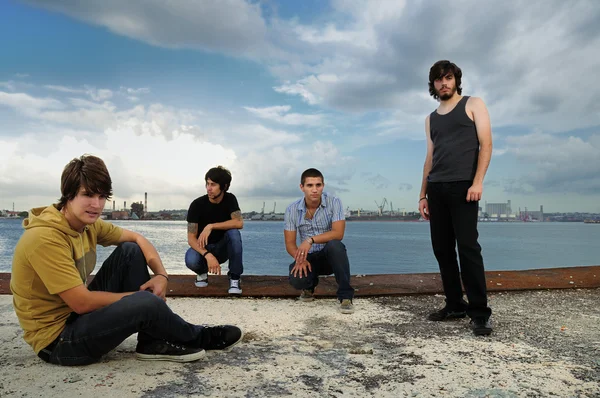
{"x":532,"y":215}
{"x":498,"y":210}
{"x":11,"y":214}
{"x":119,"y":215}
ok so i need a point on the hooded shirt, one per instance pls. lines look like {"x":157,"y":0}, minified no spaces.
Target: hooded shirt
{"x":49,"y":259}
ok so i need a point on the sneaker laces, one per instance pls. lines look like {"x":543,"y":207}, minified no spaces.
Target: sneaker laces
{"x":234,"y":283}
{"x":178,"y":347}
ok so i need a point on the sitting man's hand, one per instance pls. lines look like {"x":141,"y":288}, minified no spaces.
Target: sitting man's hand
{"x":157,"y":285}
{"x":203,"y":237}
{"x":302,"y":251}
{"x":301,"y":268}
{"x":213,"y":264}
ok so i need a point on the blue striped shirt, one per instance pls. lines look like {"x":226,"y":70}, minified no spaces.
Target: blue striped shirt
{"x":329,"y":211}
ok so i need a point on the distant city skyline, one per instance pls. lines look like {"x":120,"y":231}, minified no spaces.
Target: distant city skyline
{"x":162,"y":91}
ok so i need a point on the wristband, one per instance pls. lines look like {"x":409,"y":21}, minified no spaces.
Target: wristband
{"x":312,"y":241}
{"x":424,"y":197}
{"x":163,"y":275}
{"x":205,"y":253}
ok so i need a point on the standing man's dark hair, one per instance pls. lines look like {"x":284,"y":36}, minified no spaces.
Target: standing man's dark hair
{"x":459,"y":149}
{"x":221,"y":176}
{"x":442,"y":68}
{"x":87,"y":171}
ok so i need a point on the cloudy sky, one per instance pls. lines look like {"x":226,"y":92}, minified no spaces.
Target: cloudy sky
{"x":162,"y":91}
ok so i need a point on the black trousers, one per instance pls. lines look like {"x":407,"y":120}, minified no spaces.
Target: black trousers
{"x":453,"y":223}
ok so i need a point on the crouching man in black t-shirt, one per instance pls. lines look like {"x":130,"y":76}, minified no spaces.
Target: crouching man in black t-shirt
{"x":214,"y":221}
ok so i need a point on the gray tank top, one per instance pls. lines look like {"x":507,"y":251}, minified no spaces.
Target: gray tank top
{"x":455,"y":145}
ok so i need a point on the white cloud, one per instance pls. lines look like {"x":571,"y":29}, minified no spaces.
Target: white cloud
{"x":556,"y":163}
{"x":28,"y":105}
{"x":21,"y":75}
{"x":93,"y":92}
{"x":280,"y":114}
{"x":156,"y":149}
{"x":231,"y":26}
{"x":301,"y":88}
{"x":10,"y":86}
{"x":134,"y":91}
{"x":64,"y":89}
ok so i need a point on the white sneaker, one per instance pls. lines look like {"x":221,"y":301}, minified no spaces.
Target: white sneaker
{"x":201,"y":280}
{"x":235,"y":286}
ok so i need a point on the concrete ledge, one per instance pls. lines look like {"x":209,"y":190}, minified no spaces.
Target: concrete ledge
{"x":381,"y":285}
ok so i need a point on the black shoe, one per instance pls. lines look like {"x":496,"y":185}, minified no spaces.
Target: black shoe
{"x":446,"y":314}
{"x":160,"y":350}
{"x":222,"y":337}
{"x":481,"y":326}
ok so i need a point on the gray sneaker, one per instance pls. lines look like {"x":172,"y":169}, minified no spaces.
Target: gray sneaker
{"x":201,"y":280}
{"x":235,"y":286}
{"x":306,"y":296}
{"x":346,"y":306}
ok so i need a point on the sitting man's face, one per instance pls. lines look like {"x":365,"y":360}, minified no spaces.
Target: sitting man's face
{"x":312,"y":188}
{"x":85,"y":208}
{"x":213,"y":189}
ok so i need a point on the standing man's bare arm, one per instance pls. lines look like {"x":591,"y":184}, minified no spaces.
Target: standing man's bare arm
{"x":478,"y":112}
{"x":423,"y":204}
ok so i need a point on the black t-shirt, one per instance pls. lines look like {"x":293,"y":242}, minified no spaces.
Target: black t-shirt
{"x":203,"y":212}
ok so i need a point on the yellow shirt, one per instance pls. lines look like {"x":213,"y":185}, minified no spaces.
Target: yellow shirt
{"x":49,"y":259}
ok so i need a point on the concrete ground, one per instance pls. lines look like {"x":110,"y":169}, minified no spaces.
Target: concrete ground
{"x":545,"y":344}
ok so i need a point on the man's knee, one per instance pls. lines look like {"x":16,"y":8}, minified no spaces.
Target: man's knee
{"x":299,"y":283}
{"x":130,"y":248}
{"x":192,"y":258}
{"x":234,"y":235}
{"x":143,"y":302}
{"x":335,"y":246}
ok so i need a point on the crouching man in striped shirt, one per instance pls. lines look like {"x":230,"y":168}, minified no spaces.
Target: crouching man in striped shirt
{"x":319,"y":219}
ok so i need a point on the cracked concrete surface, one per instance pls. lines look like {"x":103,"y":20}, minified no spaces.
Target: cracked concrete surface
{"x":545,"y":343}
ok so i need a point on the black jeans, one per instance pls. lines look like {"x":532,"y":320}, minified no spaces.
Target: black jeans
{"x":87,"y":337}
{"x":332,"y":259}
{"x":453,"y":222}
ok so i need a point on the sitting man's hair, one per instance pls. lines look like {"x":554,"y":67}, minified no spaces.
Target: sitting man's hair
{"x":87,"y":171}
{"x":311,"y":173}
{"x":221,"y":176}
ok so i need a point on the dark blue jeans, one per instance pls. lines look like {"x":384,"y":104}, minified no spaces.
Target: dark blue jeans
{"x":453,"y":223}
{"x":87,"y":337}
{"x":332,"y":259}
{"x":228,"y":248}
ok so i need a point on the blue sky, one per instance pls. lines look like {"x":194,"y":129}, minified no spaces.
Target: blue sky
{"x":268,"y":89}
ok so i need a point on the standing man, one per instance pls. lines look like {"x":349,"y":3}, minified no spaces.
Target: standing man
{"x":319,"y":218}
{"x":70,"y":322}
{"x":459,"y":148}
{"x":214,"y":223}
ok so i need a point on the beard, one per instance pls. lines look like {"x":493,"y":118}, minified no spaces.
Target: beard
{"x":447,"y":95}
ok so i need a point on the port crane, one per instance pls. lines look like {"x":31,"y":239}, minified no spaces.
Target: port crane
{"x":381,"y":206}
